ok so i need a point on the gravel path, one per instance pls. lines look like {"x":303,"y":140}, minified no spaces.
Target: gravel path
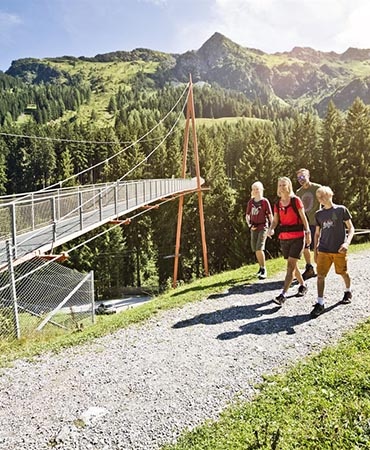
{"x":137,"y":389}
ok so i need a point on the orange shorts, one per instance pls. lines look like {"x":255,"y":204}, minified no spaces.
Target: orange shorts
{"x":325,"y":260}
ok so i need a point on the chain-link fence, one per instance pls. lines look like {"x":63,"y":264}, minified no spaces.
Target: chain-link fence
{"x":40,"y":295}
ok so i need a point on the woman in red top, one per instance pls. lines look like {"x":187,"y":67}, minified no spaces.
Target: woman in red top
{"x":294,"y":233}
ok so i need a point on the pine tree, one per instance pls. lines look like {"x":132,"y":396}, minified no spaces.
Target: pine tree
{"x":331,"y":149}
{"x":356,"y":163}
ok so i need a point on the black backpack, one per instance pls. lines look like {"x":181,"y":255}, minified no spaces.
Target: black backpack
{"x":295,"y":227}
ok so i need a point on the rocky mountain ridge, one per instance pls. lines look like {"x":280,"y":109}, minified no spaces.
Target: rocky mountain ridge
{"x":303,"y":78}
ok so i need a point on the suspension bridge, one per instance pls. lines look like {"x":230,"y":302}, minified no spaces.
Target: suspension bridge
{"x":34,"y":224}
{"x":37,"y":223}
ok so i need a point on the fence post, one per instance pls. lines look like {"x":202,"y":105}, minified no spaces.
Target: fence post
{"x":54,"y":219}
{"x":14,"y":230}
{"x":116,"y":198}
{"x":33,"y":210}
{"x":92,"y":297}
{"x":126,"y":190}
{"x":13,"y":291}
{"x":100,"y":205}
{"x":80,"y":209}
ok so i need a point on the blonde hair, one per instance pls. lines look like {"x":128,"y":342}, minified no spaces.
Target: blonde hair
{"x":289,"y":183}
{"x":257,"y":185}
{"x":325,"y":191}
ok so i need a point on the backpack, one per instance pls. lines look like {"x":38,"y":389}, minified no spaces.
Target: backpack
{"x":296,"y":227}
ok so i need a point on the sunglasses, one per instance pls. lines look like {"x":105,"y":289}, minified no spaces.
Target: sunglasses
{"x":301,"y":177}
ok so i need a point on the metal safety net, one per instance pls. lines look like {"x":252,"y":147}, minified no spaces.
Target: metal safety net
{"x":37,"y":295}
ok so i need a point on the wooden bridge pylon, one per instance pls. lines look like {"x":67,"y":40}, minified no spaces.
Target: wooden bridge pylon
{"x":190,"y":117}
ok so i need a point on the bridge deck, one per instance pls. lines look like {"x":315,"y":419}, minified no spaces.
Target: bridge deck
{"x":36,"y":223}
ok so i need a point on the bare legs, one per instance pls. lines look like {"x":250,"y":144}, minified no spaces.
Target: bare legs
{"x":291,"y":272}
{"x":321,"y":283}
{"x":307,"y":255}
{"x":260,"y":255}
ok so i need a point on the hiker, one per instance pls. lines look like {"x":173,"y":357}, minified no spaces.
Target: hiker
{"x":331,"y":245}
{"x":258,"y":217}
{"x":307,"y":193}
{"x":294,"y":232}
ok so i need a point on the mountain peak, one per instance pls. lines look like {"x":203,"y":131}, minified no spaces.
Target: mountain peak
{"x":360,"y":54}
{"x":218,"y":41}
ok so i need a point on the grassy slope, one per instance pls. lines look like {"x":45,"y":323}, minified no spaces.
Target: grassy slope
{"x":232,"y":120}
{"x":106,"y":78}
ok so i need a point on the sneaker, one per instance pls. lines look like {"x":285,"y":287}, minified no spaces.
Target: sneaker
{"x":263,"y":274}
{"x":302,"y":290}
{"x":347,"y":298}
{"x":279,"y":300}
{"x":317,"y":310}
{"x":308,"y":273}
{"x":259,"y":272}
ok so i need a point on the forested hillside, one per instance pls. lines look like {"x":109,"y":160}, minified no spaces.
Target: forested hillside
{"x":59,"y":116}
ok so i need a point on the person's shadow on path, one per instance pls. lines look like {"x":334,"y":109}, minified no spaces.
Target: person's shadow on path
{"x":237,"y":312}
{"x":267,"y":326}
{"x":273,"y":325}
{"x":248,"y":289}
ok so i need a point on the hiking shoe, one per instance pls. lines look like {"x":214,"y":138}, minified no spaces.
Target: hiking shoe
{"x":263,"y":274}
{"x":347,"y":298}
{"x":308,"y":273}
{"x":317,"y":310}
{"x":302,"y":290}
{"x":279,"y":300}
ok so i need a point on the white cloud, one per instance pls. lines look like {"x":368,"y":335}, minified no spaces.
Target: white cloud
{"x":279,"y":25}
{"x":356,"y":34}
{"x":8,"y":22}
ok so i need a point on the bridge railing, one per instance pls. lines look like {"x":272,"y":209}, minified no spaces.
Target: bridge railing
{"x":26,"y":213}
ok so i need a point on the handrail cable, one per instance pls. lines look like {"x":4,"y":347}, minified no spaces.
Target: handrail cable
{"x":90,"y":239}
{"x":105,"y":161}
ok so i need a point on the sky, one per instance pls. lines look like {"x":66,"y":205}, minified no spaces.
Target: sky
{"x":50,"y":28}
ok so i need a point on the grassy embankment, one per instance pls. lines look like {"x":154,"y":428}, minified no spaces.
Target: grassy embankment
{"x":322,"y":403}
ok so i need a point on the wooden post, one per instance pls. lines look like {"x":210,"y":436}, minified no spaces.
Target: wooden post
{"x":190,"y":115}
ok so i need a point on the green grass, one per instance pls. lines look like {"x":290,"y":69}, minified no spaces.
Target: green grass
{"x":322,"y":403}
{"x":105,"y":79}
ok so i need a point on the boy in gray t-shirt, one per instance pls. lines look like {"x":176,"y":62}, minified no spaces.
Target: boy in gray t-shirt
{"x":334,"y":232}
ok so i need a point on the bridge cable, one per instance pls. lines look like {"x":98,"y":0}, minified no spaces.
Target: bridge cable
{"x":105,"y":161}
{"x":121,"y":178}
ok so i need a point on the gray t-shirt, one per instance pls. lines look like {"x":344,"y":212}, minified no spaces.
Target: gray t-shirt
{"x":310,"y":202}
{"x":332,"y":226}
